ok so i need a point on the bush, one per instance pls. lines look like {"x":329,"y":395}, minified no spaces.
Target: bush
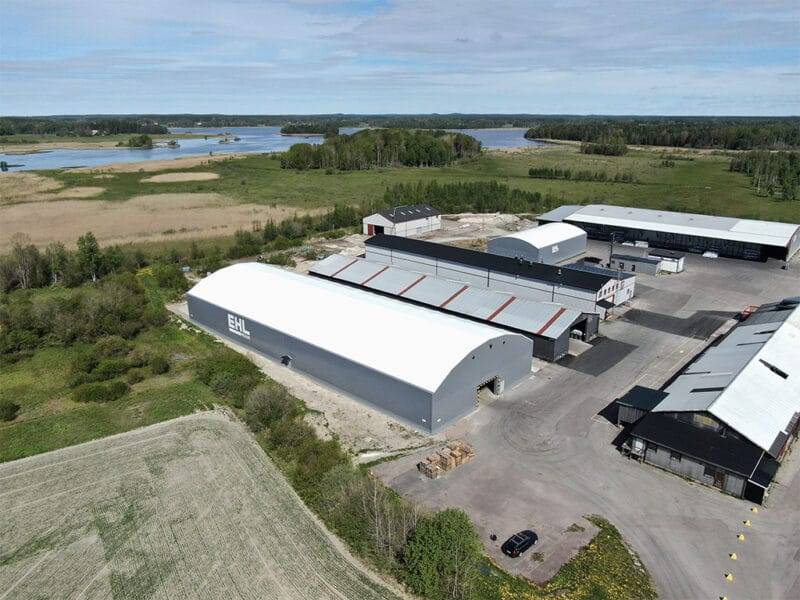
{"x":84,"y":361}
{"x":158,"y":364}
{"x":269,"y":403}
{"x":281,"y":259}
{"x":108,"y":368}
{"x":134,"y":376}
{"x":442,"y":556}
{"x":112,"y":346}
{"x":229,"y":374}
{"x":100,"y":392}
{"x":8,"y":410}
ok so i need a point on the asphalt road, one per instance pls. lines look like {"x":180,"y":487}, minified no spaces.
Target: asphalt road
{"x":545,"y":456}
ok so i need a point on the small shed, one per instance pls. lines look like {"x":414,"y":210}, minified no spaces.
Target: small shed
{"x":636,"y":403}
{"x":671,"y":261}
{"x":548,"y":244}
{"x":405,"y":221}
{"x":635,"y":264}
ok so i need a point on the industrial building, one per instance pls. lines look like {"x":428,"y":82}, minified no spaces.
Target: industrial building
{"x":669,"y":260}
{"x":420,"y":366}
{"x":725,"y":236}
{"x":576,"y":289}
{"x":405,"y":221}
{"x":728,"y":418}
{"x":549,"y":325}
{"x":549,"y":244}
{"x":626,"y":281}
{"x":634,"y":264}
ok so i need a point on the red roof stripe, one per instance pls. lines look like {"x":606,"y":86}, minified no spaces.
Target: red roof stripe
{"x":371,"y":277}
{"x":405,"y":289}
{"x":453,"y":297}
{"x":552,"y":320}
{"x":501,"y":309}
{"x":354,"y":261}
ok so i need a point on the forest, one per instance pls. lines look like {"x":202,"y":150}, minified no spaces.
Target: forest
{"x":773,"y":174}
{"x":472,"y":196}
{"x":78,"y":127}
{"x":313,"y":128}
{"x":721,"y":133}
{"x":382,"y":148}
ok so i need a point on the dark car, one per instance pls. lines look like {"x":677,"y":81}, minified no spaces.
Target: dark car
{"x":519,"y":543}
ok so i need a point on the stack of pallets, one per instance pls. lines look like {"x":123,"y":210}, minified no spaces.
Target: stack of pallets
{"x":449,"y":457}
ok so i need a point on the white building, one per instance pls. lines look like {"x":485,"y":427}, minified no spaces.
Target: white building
{"x":405,"y":221}
{"x":548,"y":244}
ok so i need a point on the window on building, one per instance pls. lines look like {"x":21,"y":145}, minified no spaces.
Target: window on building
{"x":676,"y":456}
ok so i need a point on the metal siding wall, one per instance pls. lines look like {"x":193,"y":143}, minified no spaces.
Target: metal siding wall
{"x":403,"y":401}
{"x":688,"y":467}
{"x":513,"y":248}
{"x":456,"y":397}
{"x":568,"y":248}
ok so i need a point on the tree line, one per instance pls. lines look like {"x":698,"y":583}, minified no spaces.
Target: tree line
{"x":382,"y":148}
{"x":471,"y":196}
{"x":722,"y":133}
{"x":771,"y":173}
{"x":609,"y":145}
{"x":311,"y":128}
{"x":557,"y":173}
{"x":77,"y":127}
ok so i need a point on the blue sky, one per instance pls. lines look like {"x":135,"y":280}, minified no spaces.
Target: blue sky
{"x":321,"y":56}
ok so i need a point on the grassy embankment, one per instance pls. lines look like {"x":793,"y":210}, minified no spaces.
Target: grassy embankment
{"x":25,"y":143}
{"x":703,"y":184}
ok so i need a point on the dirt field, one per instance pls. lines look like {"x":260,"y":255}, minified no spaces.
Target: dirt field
{"x":17,"y":188}
{"x":149,"y":217}
{"x":171,"y":177}
{"x":189,"y":508}
{"x":185,"y":162}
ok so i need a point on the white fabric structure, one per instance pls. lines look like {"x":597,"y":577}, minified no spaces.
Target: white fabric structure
{"x":415,"y":345}
{"x":548,"y":234}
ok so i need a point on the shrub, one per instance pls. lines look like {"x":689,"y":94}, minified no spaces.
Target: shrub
{"x":158,"y":364}
{"x":100,"y":392}
{"x":84,"y":361}
{"x":267,"y":404}
{"x":442,"y":556}
{"x":229,"y":374}
{"x":112,"y":346}
{"x":109,"y":368}
{"x":134,"y":376}
{"x":8,"y":410}
{"x":281,"y":259}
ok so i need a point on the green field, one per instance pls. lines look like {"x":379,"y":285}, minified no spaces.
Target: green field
{"x":49,"y":419}
{"x":703,"y":184}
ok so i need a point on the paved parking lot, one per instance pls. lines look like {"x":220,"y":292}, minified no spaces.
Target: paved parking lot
{"x":546,"y":458}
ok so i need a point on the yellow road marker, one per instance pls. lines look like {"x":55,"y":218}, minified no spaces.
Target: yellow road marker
{"x":754,"y":509}
{"x":733,"y":556}
{"x":747,"y":523}
{"x":740,"y":537}
{"x":729,"y":576}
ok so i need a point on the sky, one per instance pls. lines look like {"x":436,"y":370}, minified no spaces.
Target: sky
{"x":725,"y":57}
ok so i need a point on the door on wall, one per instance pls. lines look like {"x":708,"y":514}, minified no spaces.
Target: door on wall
{"x":370,"y":229}
{"x":719,"y":479}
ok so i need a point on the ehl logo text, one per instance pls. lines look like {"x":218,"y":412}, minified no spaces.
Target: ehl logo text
{"x":237,"y":326}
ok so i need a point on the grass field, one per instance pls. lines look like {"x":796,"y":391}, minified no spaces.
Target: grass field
{"x":49,"y":419}
{"x":703,"y":184}
{"x":192,"y":508}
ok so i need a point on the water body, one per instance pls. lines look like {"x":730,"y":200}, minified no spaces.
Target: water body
{"x":251,"y":140}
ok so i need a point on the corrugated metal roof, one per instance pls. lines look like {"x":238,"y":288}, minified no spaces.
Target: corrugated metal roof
{"x":537,"y":318}
{"x":750,"y":380}
{"x":411,"y":212}
{"x":547,"y":235}
{"x":416,"y":345}
{"x":767,"y":233}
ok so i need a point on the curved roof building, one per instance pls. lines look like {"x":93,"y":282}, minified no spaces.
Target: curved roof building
{"x":548,"y":244}
{"x":419,"y":365}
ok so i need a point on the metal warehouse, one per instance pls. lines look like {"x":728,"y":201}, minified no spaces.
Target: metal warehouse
{"x":403,"y":220}
{"x":550,"y":244}
{"x":421,"y":366}
{"x":729,"y":417}
{"x":548,"y":325}
{"x":735,"y":238}
{"x":578,"y":290}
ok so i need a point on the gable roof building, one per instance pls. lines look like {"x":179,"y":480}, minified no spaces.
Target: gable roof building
{"x":410,"y":220}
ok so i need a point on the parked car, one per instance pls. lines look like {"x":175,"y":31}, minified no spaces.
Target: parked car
{"x":518,"y":543}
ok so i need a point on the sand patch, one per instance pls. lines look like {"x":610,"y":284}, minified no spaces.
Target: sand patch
{"x":175,"y":177}
{"x":149,"y":166}
{"x":104,"y":176}
{"x":79,"y":192}
{"x":143,"y":218}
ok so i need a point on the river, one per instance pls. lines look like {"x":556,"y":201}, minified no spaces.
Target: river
{"x":251,"y":140}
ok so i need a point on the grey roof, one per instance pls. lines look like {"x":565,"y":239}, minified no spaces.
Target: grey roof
{"x":558,"y":214}
{"x":768,"y":233}
{"x":544,"y":319}
{"x":401,"y":214}
{"x":750,"y":380}
{"x":630,"y":257}
{"x":590,"y":268}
